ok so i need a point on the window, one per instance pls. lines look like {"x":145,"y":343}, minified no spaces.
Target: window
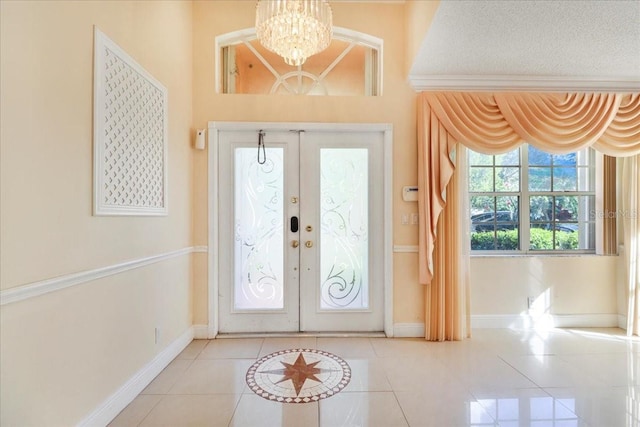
{"x":351,"y":65}
{"x":528,"y":200}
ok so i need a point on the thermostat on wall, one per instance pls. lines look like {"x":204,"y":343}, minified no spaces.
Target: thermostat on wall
{"x":410,"y":193}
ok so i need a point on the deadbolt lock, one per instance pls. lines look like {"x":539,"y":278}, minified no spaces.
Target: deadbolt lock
{"x":308,"y":228}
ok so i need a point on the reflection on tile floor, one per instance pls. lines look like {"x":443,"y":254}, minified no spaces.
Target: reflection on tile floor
{"x":500,"y":377}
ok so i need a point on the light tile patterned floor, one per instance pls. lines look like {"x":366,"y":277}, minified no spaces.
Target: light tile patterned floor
{"x":500,"y":377}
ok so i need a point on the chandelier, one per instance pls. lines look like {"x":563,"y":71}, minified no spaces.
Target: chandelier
{"x":294,"y":29}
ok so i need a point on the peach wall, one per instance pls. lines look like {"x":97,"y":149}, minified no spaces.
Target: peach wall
{"x":419,"y":15}
{"x":47,"y":183}
{"x":64,"y":353}
{"x":566,"y":284}
{"x":395,"y":106}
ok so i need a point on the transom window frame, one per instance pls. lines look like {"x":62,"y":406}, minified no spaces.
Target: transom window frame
{"x":352,"y":37}
{"x":523,"y":195}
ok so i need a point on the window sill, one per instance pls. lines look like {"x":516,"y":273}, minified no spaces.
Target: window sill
{"x":538,"y":255}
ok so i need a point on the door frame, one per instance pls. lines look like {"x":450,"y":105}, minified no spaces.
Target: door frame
{"x":213,"y":203}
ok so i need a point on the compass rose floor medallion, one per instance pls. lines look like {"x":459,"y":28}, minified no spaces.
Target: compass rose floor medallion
{"x":298,"y":376}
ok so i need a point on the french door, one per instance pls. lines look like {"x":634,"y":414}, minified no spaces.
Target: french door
{"x":301,"y":230}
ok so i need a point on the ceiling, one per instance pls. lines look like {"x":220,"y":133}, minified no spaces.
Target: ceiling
{"x":547,"y":45}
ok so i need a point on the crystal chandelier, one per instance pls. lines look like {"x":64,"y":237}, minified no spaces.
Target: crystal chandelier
{"x":294,"y":29}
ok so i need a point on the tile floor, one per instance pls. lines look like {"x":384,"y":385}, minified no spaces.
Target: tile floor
{"x":500,"y":377}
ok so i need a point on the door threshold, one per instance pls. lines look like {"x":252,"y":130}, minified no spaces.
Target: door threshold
{"x":302,"y":335}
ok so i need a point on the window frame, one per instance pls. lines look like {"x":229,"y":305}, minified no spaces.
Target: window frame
{"x":523,"y":223}
{"x":373,"y":75}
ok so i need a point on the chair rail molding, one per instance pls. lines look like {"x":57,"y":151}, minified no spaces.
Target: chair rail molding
{"x":42,"y":287}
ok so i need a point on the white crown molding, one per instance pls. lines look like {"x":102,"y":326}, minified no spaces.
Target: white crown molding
{"x":119,"y":400}
{"x":42,"y":287}
{"x":522,"y":83}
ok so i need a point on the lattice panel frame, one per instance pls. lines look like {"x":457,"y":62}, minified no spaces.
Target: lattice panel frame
{"x":130,"y":134}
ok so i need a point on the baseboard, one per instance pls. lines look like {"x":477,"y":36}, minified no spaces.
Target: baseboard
{"x":201,"y":332}
{"x":622,"y":321}
{"x":529,"y":321}
{"x":119,"y":400}
{"x":585,"y":320}
{"x":408,"y":330}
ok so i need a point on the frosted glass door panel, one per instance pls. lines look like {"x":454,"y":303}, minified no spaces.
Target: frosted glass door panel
{"x":259,"y":230}
{"x":344,"y":221}
{"x":302,"y":237}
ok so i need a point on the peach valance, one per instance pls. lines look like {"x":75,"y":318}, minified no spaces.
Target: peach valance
{"x":495,"y":123}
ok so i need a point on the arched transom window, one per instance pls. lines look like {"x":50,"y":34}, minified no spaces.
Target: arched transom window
{"x":351,"y":65}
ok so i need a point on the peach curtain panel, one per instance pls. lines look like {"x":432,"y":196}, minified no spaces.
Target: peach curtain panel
{"x":448,"y":306}
{"x":495,"y":123}
{"x":629,"y":215}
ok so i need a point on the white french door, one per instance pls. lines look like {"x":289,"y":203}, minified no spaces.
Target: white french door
{"x":301,"y":230}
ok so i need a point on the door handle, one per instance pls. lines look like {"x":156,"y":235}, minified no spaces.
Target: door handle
{"x":294,"y":224}
{"x":308,"y":243}
{"x":295,"y":244}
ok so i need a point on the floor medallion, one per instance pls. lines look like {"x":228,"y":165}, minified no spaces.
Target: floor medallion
{"x":298,"y":376}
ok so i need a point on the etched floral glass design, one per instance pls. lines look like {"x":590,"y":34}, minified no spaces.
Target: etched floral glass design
{"x":344,"y":237}
{"x":259,"y":228}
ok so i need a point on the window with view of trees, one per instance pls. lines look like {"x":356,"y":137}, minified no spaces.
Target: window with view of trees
{"x":528,"y":200}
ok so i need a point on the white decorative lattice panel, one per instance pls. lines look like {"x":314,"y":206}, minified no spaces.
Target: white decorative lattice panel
{"x":130,"y":135}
